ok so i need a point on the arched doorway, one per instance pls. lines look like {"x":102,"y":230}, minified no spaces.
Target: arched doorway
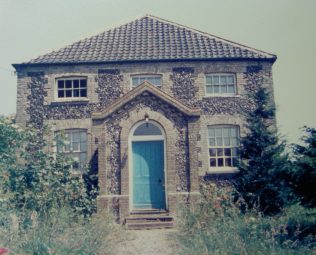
{"x":147,"y":167}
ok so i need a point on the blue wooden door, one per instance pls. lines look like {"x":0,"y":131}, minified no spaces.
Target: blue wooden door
{"x":148,"y":175}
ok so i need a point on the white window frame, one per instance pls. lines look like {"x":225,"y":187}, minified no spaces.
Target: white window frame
{"x":220,"y":94}
{"x":72,"y":98}
{"x":146,"y":76}
{"x":222,"y":147}
{"x":69,"y":153}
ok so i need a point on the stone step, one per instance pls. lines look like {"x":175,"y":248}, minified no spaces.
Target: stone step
{"x":149,"y":221}
{"x":148,"y":211}
{"x":149,"y":218}
{"x":149,"y":225}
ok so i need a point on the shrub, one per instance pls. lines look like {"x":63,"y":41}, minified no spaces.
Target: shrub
{"x":215,"y":225}
{"x":34,"y":180}
{"x":304,"y":175}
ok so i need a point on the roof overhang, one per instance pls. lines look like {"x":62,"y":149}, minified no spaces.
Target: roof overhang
{"x":21,"y":65}
{"x":144,"y":89}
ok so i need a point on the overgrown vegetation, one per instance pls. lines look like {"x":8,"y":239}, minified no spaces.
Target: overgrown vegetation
{"x":304,"y":176}
{"x":44,"y":207}
{"x":216,"y":225}
{"x":270,"y":207}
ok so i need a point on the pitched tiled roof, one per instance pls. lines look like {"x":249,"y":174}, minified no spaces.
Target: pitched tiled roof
{"x":150,"y":38}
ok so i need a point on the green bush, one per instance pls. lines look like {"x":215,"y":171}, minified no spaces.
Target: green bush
{"x":304,"y":176}
{"x":215,"y":225}
{"x":34,"y":180}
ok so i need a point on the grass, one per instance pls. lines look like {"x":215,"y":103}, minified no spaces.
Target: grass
{"x":60,"y":233}
{"x":215,"y":225}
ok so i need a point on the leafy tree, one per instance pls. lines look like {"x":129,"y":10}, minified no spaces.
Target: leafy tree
{"x":305,"y":171}
{"x":34,"y":180}
{"x":263,"y":176}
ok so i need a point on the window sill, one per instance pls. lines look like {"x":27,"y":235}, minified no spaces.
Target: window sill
{"x":224,"y":170}
{"x":220,"y":95}
{"x":78,"y":100}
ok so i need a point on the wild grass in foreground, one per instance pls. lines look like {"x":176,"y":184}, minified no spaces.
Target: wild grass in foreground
{"x":216,"y":225}
{"x":59,"y":233}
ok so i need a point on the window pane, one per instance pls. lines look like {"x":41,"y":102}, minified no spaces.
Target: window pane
{"x":147,"y":129}
{"x":234,"y":141}
{"x":76,"y":92}
{"x":218,"y":132}
{"x":223,"y":89}
{"x":83,"y":92}
{"x":211,"y":141}
{"x":141,"y":80}
{"x":155,"y":80}
{"x":61,"y":84}
{"x":234,"y":161}
{"x":75,"y":146}
{"x":228,"y":162}
{"x":226,"y":132}
{"x":76,"y":136}
{"x":226,"y":141}
{"x":234,"y":152}
{"x":67,"y":146}
{"x":230,"y":79}
{"x":233,"y":131}
{"x":68,"y":93}
{"x":68,"y":84}
{"x":211,"y":132}
{"x":230,"y":89}
{"x":83,"y":146}
{"x":209,"y":89}
{"x":76,"y":83}
{"x":212,"y":152}
{"x":215,"y":80}
{"x":220,"y":162}
{"x":61,"y":93}
{"x":219,"y":141}
{"x":209,"y":79}
{"x":212,"y":162}
{"x":216,"y":89}
{"x":83,"y":136}
{"x":227,"y":151}
{"x":83,"y":83}
{"x":219,"y":152}
{"x":135,"y":81}
{"x":223,"y":80}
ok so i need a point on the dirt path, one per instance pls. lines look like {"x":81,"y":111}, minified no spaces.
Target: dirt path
{"x":148,"y":242}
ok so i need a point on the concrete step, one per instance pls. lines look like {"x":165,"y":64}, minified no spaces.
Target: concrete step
{"x":149,"y":221}
{"x":149,"y":225}
{"x":149,"y":218}
{"x":148,"y":211}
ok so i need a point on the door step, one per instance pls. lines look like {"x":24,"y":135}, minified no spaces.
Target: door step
{"x":148,"y":211}
{"x":149,"y":221}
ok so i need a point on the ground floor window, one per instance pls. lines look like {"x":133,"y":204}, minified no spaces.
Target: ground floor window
{"x":73,"y":143}
{"x":223,"y":143}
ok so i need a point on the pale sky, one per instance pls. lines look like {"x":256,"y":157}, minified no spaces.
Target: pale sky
{"x":287,"y":28}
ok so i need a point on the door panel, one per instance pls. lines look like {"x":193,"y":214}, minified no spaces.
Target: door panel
{"x":148,"y":175}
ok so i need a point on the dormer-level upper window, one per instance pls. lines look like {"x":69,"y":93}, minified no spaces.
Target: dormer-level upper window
{"x":72,"y":87}
{"x":153,"y":79}
{"x":220,"y":84}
